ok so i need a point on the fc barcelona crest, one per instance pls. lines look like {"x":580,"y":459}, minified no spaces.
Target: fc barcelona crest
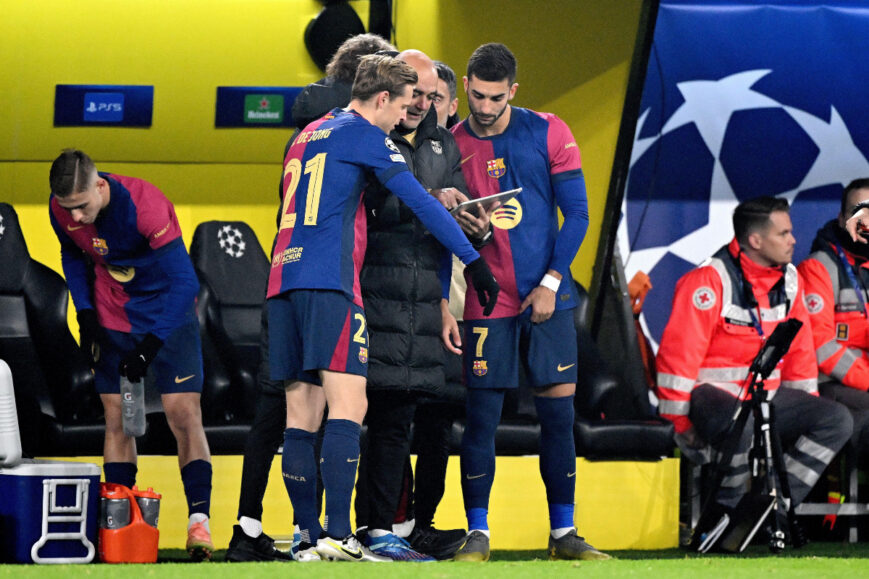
{"x":480,"y":368}
{"x":100,"y":246}
{"x":496,"y":168}
{"x":363,"y":354}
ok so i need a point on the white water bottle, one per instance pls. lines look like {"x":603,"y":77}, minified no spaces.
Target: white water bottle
{"x":10,"y":438}
{"x":133,"y":406}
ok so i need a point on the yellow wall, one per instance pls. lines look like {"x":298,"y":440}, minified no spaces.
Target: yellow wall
{"x":573,"y":60}
{"x":619,"y":504}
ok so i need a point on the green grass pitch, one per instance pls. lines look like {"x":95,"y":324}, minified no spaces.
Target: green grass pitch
{"x":814,"y":560}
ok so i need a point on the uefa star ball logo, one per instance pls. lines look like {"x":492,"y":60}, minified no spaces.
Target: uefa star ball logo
{"x":231,"y":241}
{"x":725,"y":143}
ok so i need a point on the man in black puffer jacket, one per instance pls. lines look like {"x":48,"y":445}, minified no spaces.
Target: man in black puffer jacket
{"x":403,"y":296}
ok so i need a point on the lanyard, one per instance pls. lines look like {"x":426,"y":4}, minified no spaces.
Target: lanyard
{"x":856,"y":282}
{"x":748,"y":294}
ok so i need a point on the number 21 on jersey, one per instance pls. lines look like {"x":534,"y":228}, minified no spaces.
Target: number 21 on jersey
{"x":313,"y":167}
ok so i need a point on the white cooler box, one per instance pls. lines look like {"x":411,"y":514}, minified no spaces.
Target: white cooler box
{"x":49,"y":511}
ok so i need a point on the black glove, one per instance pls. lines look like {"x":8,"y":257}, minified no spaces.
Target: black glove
{"x":135,"y":364}
{"x":485,"y":284}
{"x":89,"y":334}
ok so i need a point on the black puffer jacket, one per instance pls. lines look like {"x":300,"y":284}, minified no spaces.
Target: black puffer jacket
{"x":400,"y":286}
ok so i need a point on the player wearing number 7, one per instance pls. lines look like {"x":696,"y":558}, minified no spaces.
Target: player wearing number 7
{"x":317,"y":331}
{"x":504,"y":147}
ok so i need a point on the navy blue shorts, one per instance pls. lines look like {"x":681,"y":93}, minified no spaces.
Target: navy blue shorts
{"x":311,"y":330}
{"x":177,"y":367}
{"x":493,"y":349}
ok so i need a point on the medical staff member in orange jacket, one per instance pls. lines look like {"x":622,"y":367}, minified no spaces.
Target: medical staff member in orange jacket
{"x":722,"y":313}
{"x":836,"y":276}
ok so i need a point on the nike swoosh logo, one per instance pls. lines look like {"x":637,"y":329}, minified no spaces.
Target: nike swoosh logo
{"x":71,"y":228}
{"x":352,"y":460}
{"x":571,"y":474}
{"x":466,"y":159}
{"x":185,"y":379}
{"x":469,"y":477}
{"x":339,"y":547}
{"x":563,"y":368}
{"x":196,"y":504}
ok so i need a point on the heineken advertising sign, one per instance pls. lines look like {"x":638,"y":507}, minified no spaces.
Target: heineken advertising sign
{"x":264,"y":108}
{"x":255,"y":107}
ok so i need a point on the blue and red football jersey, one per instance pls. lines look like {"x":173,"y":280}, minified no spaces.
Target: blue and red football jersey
{"x":143,"y":278}
{"x":322,"y":234}
{"x":538,"y":153}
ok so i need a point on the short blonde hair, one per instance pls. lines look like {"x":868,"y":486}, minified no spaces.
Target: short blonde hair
{"x":377,"y":73}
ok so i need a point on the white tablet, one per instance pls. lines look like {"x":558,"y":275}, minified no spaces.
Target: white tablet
{"x":486,"y":202}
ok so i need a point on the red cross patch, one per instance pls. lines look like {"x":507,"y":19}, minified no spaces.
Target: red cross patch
{"x":814,"y":303}
{"x":704,"y":298}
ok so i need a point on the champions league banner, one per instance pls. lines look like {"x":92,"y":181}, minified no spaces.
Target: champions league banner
{"x":741,"y":99}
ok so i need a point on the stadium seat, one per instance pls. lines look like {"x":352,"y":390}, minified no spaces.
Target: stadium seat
{"x":606,"y":428}
{"x":233,"y":271}
{"x":58,"y":409}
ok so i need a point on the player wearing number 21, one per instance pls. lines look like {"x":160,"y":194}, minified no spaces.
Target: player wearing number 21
{"x":317,"y":334}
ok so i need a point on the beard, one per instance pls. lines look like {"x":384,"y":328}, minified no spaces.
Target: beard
{"x":487,"y":120}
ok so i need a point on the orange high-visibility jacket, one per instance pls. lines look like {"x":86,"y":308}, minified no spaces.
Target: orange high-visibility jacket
{"x":839,"y":324}
{"x":712,"y":337}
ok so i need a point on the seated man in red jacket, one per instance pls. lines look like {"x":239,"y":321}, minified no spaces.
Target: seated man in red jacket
{"x":722,"y":313}
{"x":836,"y":276}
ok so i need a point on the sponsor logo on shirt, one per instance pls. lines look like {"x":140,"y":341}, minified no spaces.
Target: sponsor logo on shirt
{"x":121,"y":273}
{"x":496,"y":168}
{"x":289,"y":255}
{"x":508,"y":215}
{"x":162,"y":231}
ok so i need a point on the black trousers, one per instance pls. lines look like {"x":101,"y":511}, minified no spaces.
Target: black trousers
{"x":383,"y":458}
{"x":265,"y":437}
{"x":432,"y":432}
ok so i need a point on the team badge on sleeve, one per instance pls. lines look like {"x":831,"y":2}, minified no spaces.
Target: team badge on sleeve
{"x":480,"y":368}
{"x":704,"y":298}
{"x":814,"y":303}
